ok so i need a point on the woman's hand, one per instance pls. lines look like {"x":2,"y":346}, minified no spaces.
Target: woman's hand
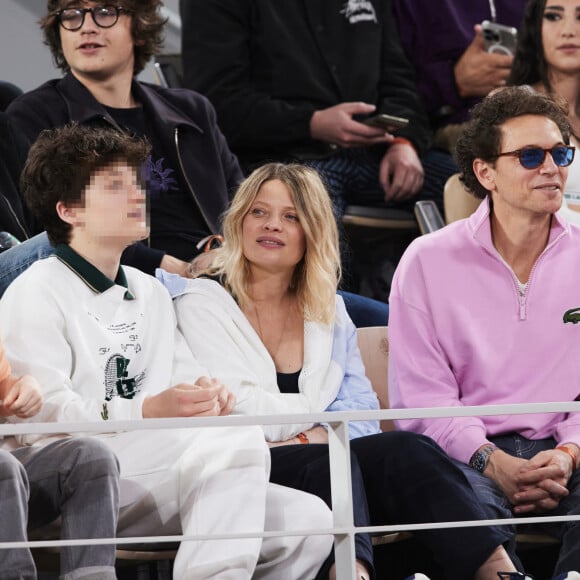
{"x":315,"y":435}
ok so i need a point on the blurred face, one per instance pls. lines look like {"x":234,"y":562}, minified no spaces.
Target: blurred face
{"x":515,"y":189}
{"x":561,"y":35}
{"x":97,"y":53}
{"x":273,"y":239}
{"x":115,"y":207}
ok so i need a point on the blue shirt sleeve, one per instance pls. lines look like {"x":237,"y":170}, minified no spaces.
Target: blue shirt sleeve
{"x":356,"y":392}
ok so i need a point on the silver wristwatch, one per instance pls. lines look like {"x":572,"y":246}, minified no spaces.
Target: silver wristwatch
{"x":480,"y":458}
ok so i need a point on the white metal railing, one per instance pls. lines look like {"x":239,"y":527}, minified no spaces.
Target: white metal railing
{"x":343,"y":527}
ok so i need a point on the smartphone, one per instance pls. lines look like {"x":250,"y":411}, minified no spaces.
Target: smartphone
{"x":498,"y":38}
{"x":386,"y":122}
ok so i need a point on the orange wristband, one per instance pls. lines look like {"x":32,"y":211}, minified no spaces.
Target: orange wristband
{"x":401,"y":141}
{"x":303,"y":438}
{"x":570,"y":453}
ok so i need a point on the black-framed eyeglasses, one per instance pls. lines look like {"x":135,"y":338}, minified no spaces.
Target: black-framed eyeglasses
{"x":533,"y":157}
{"x":104,"y":16}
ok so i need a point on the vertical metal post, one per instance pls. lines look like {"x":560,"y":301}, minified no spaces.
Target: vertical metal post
{"x":341,"y":488}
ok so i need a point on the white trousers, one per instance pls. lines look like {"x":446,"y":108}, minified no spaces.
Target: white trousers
{"x":211,"y":481}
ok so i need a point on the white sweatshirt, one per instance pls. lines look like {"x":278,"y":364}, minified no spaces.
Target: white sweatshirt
{"x":95,"y":353}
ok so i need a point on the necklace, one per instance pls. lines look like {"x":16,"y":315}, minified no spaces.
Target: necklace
{"x":273,"y":351}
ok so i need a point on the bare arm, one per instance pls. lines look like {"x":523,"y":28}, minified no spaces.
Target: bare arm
{"x":315,"y":435}
{"x":174,"y":265}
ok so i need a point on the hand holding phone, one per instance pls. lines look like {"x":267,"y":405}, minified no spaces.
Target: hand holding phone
{"x":482,"y":68}
{"x":387,"y":122}
{"x":341,"y":125}
{"x":498,"y":38}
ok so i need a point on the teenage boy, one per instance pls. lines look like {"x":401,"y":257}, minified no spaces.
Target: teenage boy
{"x":77,"y":479}
{"x":106,"y":347}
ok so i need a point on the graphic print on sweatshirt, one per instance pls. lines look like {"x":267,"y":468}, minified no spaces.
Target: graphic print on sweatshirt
{"x":123,"y":346}
{"x":118,"y":383}
{"x":359,"y":11}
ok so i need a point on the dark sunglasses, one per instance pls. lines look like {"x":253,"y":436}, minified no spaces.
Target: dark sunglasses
{"x":532,"y":157}
{"x":103,"y":16}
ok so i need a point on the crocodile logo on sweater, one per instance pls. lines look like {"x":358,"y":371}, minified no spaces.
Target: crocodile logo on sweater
{"x":359,"y":11}
{"x":572,"y":316}
{"x":117,"y":380}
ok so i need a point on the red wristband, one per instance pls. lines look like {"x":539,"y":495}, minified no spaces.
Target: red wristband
{"x":303,"y":438}
{"x":570,"y":453}
{"x":401,"y":141}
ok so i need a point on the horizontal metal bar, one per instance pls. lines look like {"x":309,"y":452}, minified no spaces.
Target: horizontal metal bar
{"x":322,"y":417}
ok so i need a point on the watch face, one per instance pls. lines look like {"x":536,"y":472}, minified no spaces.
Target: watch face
{"x":479,"y":461}
{"x":481,"y":457}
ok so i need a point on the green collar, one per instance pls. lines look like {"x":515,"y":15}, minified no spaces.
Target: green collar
{"x":90,"y":275}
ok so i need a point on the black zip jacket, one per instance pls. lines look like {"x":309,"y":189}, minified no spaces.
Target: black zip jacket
{"x":183,"y":120}
{"x":14,"y":217}
{"x":267,"y":65}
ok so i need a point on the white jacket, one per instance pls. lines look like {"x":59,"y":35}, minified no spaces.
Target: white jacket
{"x":219,"y":335}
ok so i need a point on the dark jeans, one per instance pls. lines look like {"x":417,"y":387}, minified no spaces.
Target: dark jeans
{"x":365,"y":311}
{"x":497,"y":505}
{"x":399,"y":478}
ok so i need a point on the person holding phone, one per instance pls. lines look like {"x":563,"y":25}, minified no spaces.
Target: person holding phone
{"x":294,"y":81}
{"x":444,"y":41}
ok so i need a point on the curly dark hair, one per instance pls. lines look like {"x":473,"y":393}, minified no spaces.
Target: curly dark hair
{"x":482,"y":135}
{"x":529,"y":65}
{"x":60,"y":165}
{"x":146,"y":26}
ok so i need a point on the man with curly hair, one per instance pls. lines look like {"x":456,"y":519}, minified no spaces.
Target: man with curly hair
{"x":485,"y":312}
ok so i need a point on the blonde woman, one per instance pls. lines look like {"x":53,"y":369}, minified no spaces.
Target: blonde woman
{"x":266,"y":320}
